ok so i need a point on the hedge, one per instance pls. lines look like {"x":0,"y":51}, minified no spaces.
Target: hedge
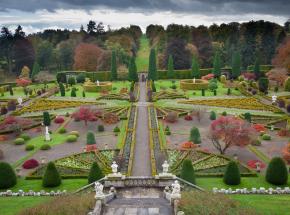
{"x":182,"y":74}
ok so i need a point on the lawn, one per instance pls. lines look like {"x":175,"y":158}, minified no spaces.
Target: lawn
{"x":142,"y":59}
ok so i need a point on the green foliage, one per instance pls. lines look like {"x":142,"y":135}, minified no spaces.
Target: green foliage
{"x":287,"y":85}
{"x":84,"y":94}
{"x":46,"y":119}
{"x":101,"y":128}
{"x":91,"y":138}
{"x":187,"y":171}
{"x":167,"y":130}
{"x":71,"y":80}
{"x":223,"y":79}
{"x":152,"y":70}
{"x":277,"y":173}
{"x":29,"y":147}
{"x":232,"y":174}
{"x":195,"y":135}
{"x":61,"y":89}
{"x":51,"y":177}
{"x":73,"y":92}
{"x":81,"y":78}
{"x":224,"y":113}
{"x":7,"y":176}
{"x":229,"y":91}
{"x":195,"y":70}
{"x":248,"y":117}
{"x":25,"y":137}
{"x":19,"y":141}
{"x":45,"y":147}
{"x":266,"y":137}
{"x":170,"y":68}
{"x":153,"y":86}
{"x":71,"y":138}
{"x":212,"y":115}
{"x":114,"y":74}
{"x":62,"y":130}
{"x":263,"y":84}
{"x":133,"y":76}
{"x":257,"y":69}
{"x":95,"y":173}
{"x":236,"y":65}
{"x":76,"y":133}
{"x":11,"y":91}
{"x":217,"y":65}
{"x":116,"y":129}
{"x":202,"y":92}
{"x":212,"y":85}
{"x":35,"y":69}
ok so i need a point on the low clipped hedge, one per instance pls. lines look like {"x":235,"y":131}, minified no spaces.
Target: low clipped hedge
{"x":29,"y":147}
{"x":45,"y":147}
{"x":19,"y":141}
{"x":183,"y":74}
{"x":71,"y":138}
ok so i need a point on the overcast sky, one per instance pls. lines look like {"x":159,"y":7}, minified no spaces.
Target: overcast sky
{"x":36,"y":15}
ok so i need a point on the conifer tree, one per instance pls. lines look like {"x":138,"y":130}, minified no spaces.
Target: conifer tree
{"x":114,"y":74}
{"x":152,"y":71}
{"x":170,"y":68}
{"x":217,"y":64}
{"x":195,"y":70}
{"x":236,"y":65}
{"x":133,"y":76}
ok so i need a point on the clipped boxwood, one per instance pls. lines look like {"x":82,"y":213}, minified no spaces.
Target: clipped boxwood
{"x":232,"y":174}
{"x":71,"y":138}
{"x":266,"y":137}
{"x":7,"y":176}
{"x":187,"y":171}
{"x":25,"y":137}
{"x":45,"y":147}
{"x":101,"y":128}
{"x":116,"y":129}
{"x":29,"y":147}
{"x":277,"y":172}
{"x":19,"y":141}
{"x":51,"y":177}
{"x":76,"y":133}
{"x":62,"y":130}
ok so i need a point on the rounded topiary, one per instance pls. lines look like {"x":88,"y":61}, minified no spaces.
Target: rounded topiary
{"x":91,"y":138}
{"x":19,"y":141}
{"x":62,"y":130}
{"x":266,"y":137}
{"x":195,"y":136}
{"x":277,"y":172}
{"x":187,"y":171}
{"x":95,"y":173}
{"x":30,"y":164}
{"x":101,"y":128}
{"x":7,"y":176}
{"x":51,"y":177}
{"x":71,"y":138}
{"x":224,"y":113}
{"x":29,"y":147}
{"x":248,"y":117}
{"x":45,"y":147}
{"x":25,"y":137}
{"x":212,"y":115}
{"x":76,"y":133}
{"x":232,"y":174}
{"x":116,"y":129}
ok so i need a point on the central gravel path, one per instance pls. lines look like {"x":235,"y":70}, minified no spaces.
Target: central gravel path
{"x":141,"y":162}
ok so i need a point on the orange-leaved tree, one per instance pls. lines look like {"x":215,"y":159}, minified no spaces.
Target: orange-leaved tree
{"x":282,"y":58}
{"x":286,"y":153}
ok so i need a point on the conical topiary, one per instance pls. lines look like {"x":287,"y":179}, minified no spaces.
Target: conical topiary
{"x":232,"y":174}
{"x":51,"y":177}
{"x":95,"y":173}
{"x":277,"y":172}
{"x":195,"y":136}
{"x":187,"y":171}
{"x":7,"y":176}
{"x":91,"y":138}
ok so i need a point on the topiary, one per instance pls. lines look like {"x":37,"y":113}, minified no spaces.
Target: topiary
{"x":212,"y":115}
{"x":81,"y":78}
{"x":266,"y":137}
{"x":91,"y":138}
{"x":19,"y":141}
{"x":71,"y":138}
{"x":187,"y":171}
{"x":248,"y":117}
{"x":229,"y":91}
{"x":62,"y":130}
{"x":51,"y":177}
{"x":195,"y":136}
{"x":30,"y":164}
{"x":76,"y":133}
{"x":7,"y":176}
{"x":224,"y":113}
{"x":116,"y":129}
{"x":101,"y":128}
{"x":277,"y":172}
{"x":29,"y":147}
{"x":232,"y":174}
{"x":45,"y":147}
{"x":95,"y":173}
{"x":223,"y":79}
{"x":25,"y":137}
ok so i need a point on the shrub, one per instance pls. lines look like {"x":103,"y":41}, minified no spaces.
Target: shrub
{"x":116,"y":129}
{"x":101,"y":128}
{"x":277,"y":172}
{"x":81,"y":78}
{"x":195,"y":136}
{"x":62,"y":130}
{"x":95,"y":173}
{"x":266,"y":137}
{"x":71,"y":80}
{"x":203,"y":92}
{"x":7,"y":176}
{"x":29,"y":147}
{"x":3,"y":110}
{"x":167,"y":133}
{"x":174,"y":87}
{"x":248,"y":117}
{"x":263,"y":84}
{"x":171,"y":117}
{"x":59,"y":120}
{"x":71,"y":138}
{"x":187,"y":171}
{"x":281,"y":103}
{"x":51,"y":177}
{"x":25,"y":137}
{"x":73,"y":92}
{"x":287,"y":85}
{"x":224,"y":113}
{"x":30,"y":164}
{"x":188,"y":118}
{"x":232,"y":174}
{"x":257,"y":143}
{"x":223,"y":79}
{"x":45,"y":147}
{"x":91,"y":138}
{"x":19,"y":141}
{"x":212,"y":115}
{"x":76,"y":133}
{"x":229,"y":91}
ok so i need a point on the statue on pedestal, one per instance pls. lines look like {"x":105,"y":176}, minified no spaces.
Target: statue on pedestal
{"x":165,"y":167}
{"x":175,"y":189}
{"x":20,"y":100}
{"x":114,"y":167}
{"x":99,"y":190}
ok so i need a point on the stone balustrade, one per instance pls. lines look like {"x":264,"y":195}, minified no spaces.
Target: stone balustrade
{"x":253,"y":190}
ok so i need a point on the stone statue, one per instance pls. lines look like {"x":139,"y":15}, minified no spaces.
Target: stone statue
{"x":114,"y":167}
{"x":98,"y":83}
{"x":20,"y":100}
{"x":99,"y":189}
{"x":175,"y":188}
{"x":47,"y":135}
{"x":165,"y":167}
{"x":194,"y":80}
{"x":274,"y":99}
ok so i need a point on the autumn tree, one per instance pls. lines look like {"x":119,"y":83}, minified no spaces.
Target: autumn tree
{"x":286,"y":153}
{"x":227,"y":131}
{"x":279,"y":75}
{"x":86,"y":57}
{"x":282,"y":58}
{"x":84,"y":114}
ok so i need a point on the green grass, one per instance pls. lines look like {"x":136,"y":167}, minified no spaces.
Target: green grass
{"x":142,"y":59}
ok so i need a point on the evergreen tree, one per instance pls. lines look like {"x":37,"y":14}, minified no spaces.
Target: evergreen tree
{"x":217,"y":65}
{"x":212,"y":115}
{"x":263,"y":85}
{"x":195,"y":136}
{"x":11,"y":91}
{"x":133,"y":76}
{"x":46,"y":119}
{"x":7,"y":176}
{"x":236,"y":65}
{"x":35,"y":69}
{"x":61,"y":89}
{"x":95,"y":173}
{"x":257,"y":70}
{"x":248,"y":117}
{"x":277,"y":172}
{"x":170,"y":68}
{"x":73,"y":92}
{"x":51,"y":177}
{"x":195,"y":70}
{"x":114,"y":74}
{"x":232,"y":174}
{"x":152,"y":71}
{"x":91,"y":140}
{"x":187,"y":171}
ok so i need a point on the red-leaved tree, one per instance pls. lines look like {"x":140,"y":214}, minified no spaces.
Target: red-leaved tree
{"x":22,"y":82}
{"x":282,"y":58}
{"x":85,"y":114}
{"x":227,"y":131}
{"x":286,"y":153}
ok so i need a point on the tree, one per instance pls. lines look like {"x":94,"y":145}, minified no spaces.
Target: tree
{"x":195,"y":135}
{"x":212,"y":86}
{"x":46,"y":119}
{"x":248,"y":117}
{"x":84,"y":114}
{"x":195,"y":71}
{"x":44,"y":54}
{"x":278,"y":74}
{"x":257,"y":69}
{"x":286,"y":153}
{"x":114,"y":74}
{"x":7,"y":176}
{"x":227,"y":131}
{"x":263,"y":85}
{"x":236,"y":65}
{"x":232,"y":174}
{"x":212,"y":115}
{"x":152,"y":70}
{"x":71,"y":80}
{"x":133,"y":76}
{"x":61,"y":89}
{"x":217,"y":64}
{"x":95,"y":173}
{"x":282,"y":58}
{"x":187,"y":171}
{"x":73,"y":92}
{"x":287,"y":85}
{"x":277,"y":172}
{"x":91,"y":27}
{"x":51,"y":177}
{"x":170,"y":68}
{"x":91,"y":140}
{"x":35,"y":70}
